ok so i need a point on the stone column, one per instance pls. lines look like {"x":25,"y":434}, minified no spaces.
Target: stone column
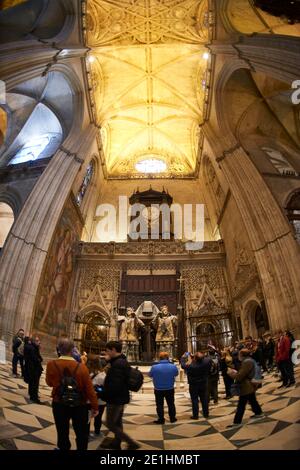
{"x":276,"y":250}
{"x":27,"y":246}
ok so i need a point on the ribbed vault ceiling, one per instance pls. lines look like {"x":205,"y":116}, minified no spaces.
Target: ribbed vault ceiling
{"x":148,"y":73}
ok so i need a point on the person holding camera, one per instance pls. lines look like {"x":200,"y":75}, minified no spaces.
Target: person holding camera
{"x":198,"y":371}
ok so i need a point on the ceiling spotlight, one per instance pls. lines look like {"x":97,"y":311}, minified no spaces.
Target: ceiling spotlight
{"x":206,"y":55}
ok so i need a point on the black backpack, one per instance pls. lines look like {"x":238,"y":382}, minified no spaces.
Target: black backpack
{"x":135,"y":379}
{"x":69,"y":394}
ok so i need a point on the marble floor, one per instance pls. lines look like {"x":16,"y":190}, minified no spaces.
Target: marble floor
{"x":27,"y":426}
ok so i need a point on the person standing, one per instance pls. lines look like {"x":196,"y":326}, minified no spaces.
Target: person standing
{"x":33,"y":367}
{"x":290,"y":365}
{"x":269,"y":352}
{"x":84,"y":358}
{"x":72,"y":390}
{"x":197,"y":373}
{"x":116,"y":395}
{"x":283,"y":360}
{"x":213,"y":379}
{"x":97,"y":368}
{"x":18,"y":353}
{"x":163,"y":375}
{"x":225,"y":364}
{"x":247,"y":389}
{"x":76,"y":355}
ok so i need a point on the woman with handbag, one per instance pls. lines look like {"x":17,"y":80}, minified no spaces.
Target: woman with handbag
{"x":244,"y":387}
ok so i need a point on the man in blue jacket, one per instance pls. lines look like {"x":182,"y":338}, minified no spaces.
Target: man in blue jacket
{"x":163,"y":375}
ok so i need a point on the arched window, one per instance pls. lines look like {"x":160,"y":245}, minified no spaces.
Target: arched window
{"x":293,"y":213}
{"x":40,"y":137}
{"x":85,"y":183}
{"x":6,"y":222}
{"x":279,"y":161}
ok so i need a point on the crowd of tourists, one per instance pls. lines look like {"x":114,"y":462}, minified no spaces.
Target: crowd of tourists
{"x":84,"y":386}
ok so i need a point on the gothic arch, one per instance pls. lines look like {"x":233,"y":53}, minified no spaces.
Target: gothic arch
{"x":221,"y":110}
{"x":87,"y":311}
{"x":292,"y":209}
{"x":252,"y":325}
{"x":6,"y":222}
{"x":10,"y":197}
{"x":41,"y":19}
{"x":41,"y":94}
{"x":91,"y":328}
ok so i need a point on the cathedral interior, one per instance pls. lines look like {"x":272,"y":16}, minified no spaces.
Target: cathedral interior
{"x":165,"y":102}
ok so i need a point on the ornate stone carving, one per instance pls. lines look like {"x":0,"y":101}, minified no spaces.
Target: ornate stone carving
{"x":147,"y":22}
{"x":147,"y":248}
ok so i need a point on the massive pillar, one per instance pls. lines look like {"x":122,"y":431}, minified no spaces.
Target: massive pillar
{"x":26,"y":249}
{"x":276,"y":251}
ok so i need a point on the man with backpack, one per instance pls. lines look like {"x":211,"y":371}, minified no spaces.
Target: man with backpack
{"x":72,"y":390}
{"x":116,"y":393}
{"x":18,"y":352}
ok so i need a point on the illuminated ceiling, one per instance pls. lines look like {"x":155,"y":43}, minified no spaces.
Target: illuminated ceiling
{"x":149,"y":76}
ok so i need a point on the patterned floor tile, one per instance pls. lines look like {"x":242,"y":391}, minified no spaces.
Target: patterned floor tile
{"x":210,"y":442}
{"x":24,"y":425}
{"x":287,"y":439}
{"x":290,"y":413}
{"x":18,"y":417}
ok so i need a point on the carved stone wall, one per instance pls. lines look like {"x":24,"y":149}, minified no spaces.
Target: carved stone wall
{"x":99,"y":274}
{"x":106,"y":276}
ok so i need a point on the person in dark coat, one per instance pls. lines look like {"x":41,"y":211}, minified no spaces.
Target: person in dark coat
{"x":225,"y":364}
{"x":197,"y":373}
{"x":18,"y":353}
{"x":213,"y":379}
{"x":269,"y":352}
{"x":247,"y":388}
{"x":33,"y":367}
{"x":116,"y":395}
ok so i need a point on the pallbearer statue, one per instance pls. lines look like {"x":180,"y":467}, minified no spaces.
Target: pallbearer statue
{"x":166,"y":332}
{"x":130,"y":327}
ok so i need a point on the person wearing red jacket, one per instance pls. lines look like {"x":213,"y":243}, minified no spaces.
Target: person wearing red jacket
{"x":283,"y":359}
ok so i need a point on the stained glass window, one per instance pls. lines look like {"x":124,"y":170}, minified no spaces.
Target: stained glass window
{"x":85,"y":183}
